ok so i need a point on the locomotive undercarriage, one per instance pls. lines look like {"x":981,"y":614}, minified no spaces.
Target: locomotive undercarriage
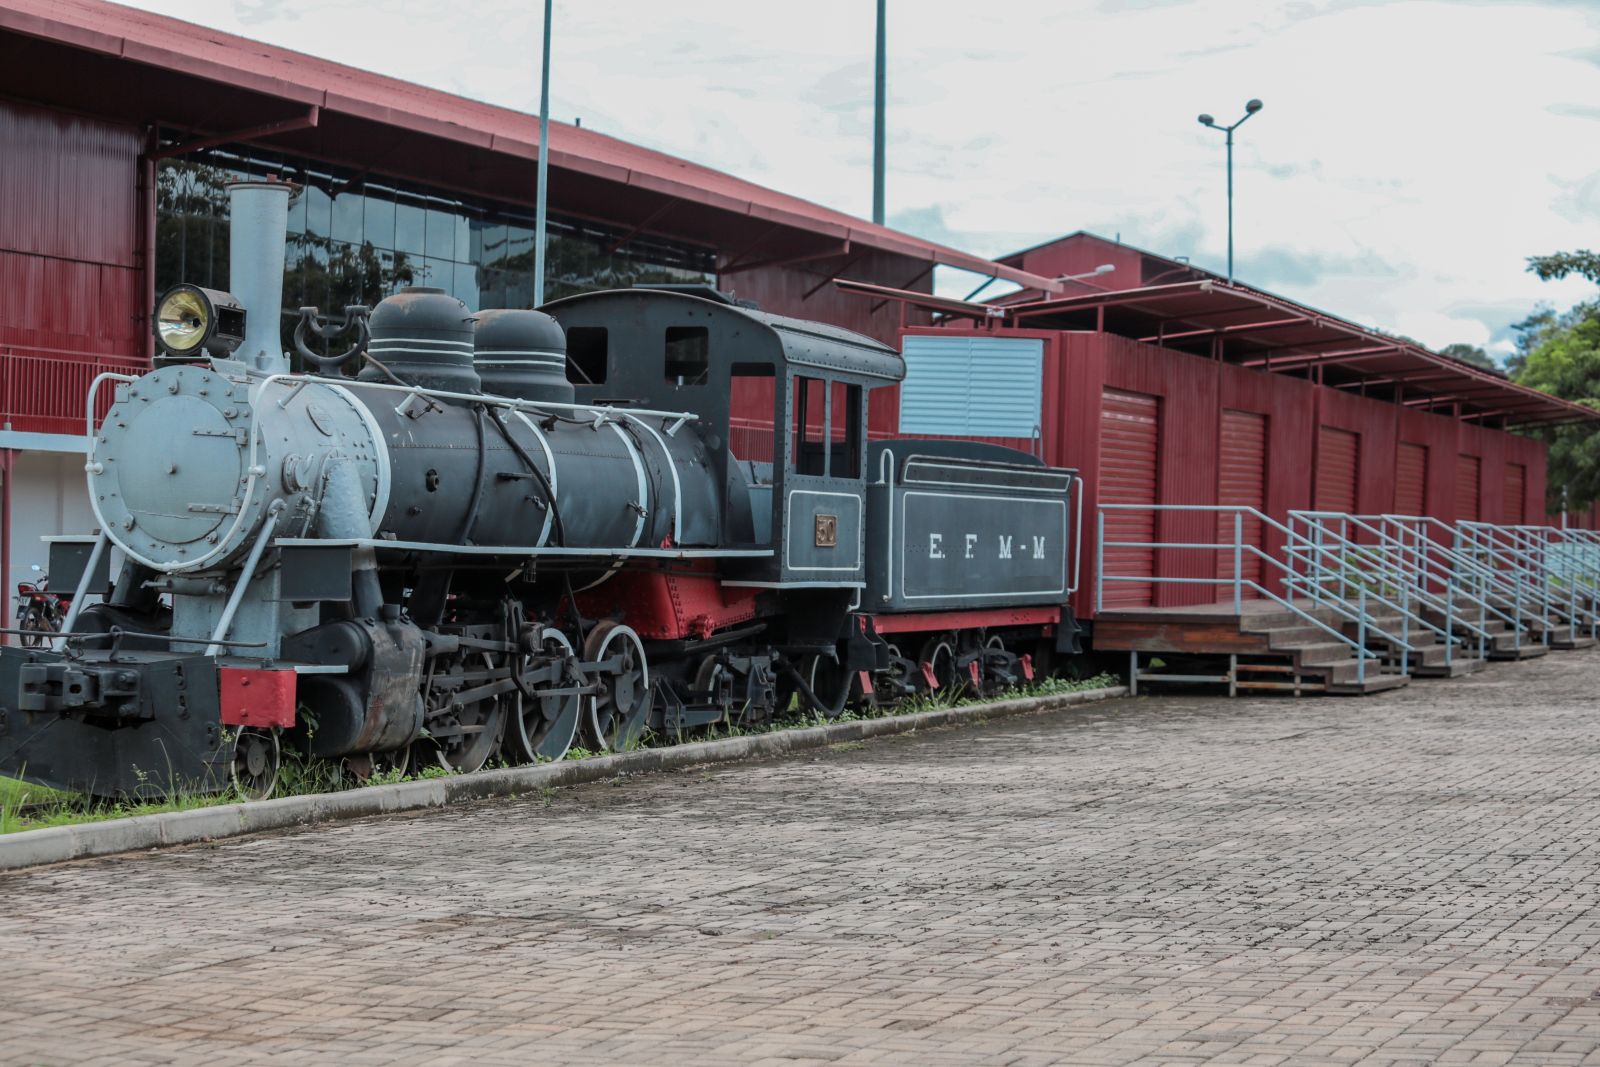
{"x":121,"y":716}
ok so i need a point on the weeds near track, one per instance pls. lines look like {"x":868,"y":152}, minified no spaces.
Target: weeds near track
{"x":29,"y":807}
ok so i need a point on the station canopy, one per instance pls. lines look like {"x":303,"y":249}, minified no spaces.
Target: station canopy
{"x":1205,"y":315}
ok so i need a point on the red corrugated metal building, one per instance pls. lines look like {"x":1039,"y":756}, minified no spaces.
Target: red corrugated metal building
{"x":1165,"y":384}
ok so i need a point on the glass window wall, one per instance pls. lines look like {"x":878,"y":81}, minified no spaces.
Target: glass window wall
{"x":355,"y":240}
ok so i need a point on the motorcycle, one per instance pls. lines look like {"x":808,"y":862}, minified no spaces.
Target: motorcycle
{"x":39,"y":611}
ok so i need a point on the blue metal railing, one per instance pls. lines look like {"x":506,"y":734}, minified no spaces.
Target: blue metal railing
{"x":1354,"y":610}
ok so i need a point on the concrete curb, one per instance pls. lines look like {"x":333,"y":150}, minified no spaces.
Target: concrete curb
{"x":56,"y":844}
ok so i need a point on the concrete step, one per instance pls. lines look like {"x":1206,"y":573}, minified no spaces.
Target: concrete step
{"x":1373,"y":683}
{"x":1511,"y":650}
{"x":1290,"y":637}
{"x":1320,"y":654}
{"x":1461,"y":664}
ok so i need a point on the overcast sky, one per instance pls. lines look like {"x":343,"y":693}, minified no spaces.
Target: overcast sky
{"x":1411,"y":155}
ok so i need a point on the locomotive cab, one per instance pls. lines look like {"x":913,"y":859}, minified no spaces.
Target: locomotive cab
{"x":781,"y":406}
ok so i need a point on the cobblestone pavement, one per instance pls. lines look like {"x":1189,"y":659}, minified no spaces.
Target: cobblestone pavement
{"x":1402,"y":879}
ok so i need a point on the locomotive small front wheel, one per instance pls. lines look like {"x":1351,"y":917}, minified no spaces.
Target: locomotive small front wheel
{"x":619,"y":713}
{"x":256,"y":759}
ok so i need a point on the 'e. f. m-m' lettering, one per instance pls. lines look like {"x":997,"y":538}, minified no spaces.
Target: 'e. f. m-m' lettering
{"x":1038,"y":548}
{"x":1005,"y":546}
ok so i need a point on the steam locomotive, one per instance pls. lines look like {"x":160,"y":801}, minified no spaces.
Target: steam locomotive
{"x":508,"y":529}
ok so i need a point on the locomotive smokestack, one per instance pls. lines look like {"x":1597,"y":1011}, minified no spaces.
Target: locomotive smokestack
{"x":259,"y":213}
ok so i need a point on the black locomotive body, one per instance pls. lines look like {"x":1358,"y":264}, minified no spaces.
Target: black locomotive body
{"x":513,"y":528}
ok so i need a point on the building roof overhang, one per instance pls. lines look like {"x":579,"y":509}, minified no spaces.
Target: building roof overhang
{"x":1245,"y":326}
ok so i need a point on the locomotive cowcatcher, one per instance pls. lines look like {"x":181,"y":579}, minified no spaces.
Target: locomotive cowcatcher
{"x":478,"y":535}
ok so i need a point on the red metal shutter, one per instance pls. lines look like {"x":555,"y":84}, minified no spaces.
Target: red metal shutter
{"x":1338,"y":463}
{"x":1469,"y":474}
{"x":1241,"y":482}
{"x":1516,"y":509}
{"x":1130,"y":429}
{"x":1411,"y":480}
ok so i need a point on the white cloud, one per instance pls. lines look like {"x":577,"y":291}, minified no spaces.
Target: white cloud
{"x":1411,"y":154}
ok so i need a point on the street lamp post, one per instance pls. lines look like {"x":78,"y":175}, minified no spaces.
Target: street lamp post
{"x":1206,"y":120}
{"x":879,"y":99}
{"x":540,"y":219}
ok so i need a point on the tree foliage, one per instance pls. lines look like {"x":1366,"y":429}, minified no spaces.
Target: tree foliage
{"x":1559,"y":265}
{"x":1470,"y":354}
{"x":1559,"y":353}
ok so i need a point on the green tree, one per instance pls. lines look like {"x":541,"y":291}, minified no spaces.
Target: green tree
{"x":1560,"y":354}
{"x":1558,"y":265}
{"x":1470,"y":354}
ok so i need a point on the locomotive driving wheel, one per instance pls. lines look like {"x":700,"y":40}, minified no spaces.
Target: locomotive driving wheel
{"x":620,"y":711}
{"x":463,"y":734}
{"x":541,"y":726}
{"x":256,"y":759}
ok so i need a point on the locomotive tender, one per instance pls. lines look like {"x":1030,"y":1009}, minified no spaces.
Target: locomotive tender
{"x":510,"y":527}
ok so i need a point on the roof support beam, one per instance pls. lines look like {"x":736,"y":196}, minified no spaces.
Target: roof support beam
{"x":926,"y":301}
{"x":1090,"y":301}
{"x":1323,"y":359}
{"x":736,"y":267}
{"x":836,"y":272}
{"x":913,"y":280}
{"x":304,"y":121}
{"x":1275,"y":324}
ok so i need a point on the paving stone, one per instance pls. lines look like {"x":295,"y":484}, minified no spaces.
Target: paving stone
{"x":1402,"y":879}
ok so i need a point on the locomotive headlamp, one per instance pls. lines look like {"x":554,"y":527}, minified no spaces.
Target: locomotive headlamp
{"x":191,"y":320}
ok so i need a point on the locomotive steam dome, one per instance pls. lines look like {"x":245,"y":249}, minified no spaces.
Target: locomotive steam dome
{"x":424,"y":336}
{"x":523,"y":354}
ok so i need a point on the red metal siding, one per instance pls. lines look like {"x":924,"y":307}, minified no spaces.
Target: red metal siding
{"x":1338,"y":469}
{"x":1241,"y":482}
{"x":1130,"y":434}
{"x":1411,"y":480}
{"x":1187,"y":472}
{"x":1441,"y":437}
{"x":71,"y":283}
{"x":1193,"y":394}
{"x":1489,"y":446}
{"x":1531,"y":454}
{"x":1375,"y":423}
{"x":1514,"y":503}
{"x":1469,"y":481}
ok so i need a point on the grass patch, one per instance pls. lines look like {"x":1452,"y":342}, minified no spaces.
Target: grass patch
{"x":24,"y":806}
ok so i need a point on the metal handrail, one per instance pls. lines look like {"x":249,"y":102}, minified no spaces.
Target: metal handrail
{"x":1419,"y":571}
{"x":1492,"y":544}
{"x":1550,"y":548}
{"x":1461,"y":574}
{"x":1340,"y":545}
{"x":1355,"y":612}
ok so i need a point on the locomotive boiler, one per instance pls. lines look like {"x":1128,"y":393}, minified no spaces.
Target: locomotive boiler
{"x":474,"y":534}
